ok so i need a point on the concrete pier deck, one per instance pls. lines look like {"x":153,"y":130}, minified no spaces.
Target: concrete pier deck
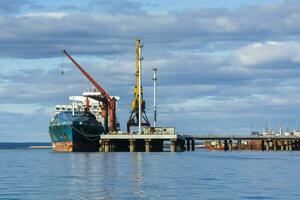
{"x":140,"y":142}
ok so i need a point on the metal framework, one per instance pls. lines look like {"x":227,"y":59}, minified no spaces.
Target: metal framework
{"x":109,"y":102}
{"x":138,"y":115}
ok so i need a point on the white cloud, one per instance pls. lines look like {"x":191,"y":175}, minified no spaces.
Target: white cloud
{"x":218,"y":69}
{"x":225,"y":24}
{"x":267,"y":52}
{"x":45,"y":14}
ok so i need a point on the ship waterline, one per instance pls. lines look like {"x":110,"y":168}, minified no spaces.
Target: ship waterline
{"x":71,"y":132}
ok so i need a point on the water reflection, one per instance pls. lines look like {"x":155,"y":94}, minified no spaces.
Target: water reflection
{"x":90,"y":176}
{"x":37,"y":174}
{"x":139,"y":179}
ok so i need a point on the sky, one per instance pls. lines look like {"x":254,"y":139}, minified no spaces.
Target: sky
{"x":223,"y":66}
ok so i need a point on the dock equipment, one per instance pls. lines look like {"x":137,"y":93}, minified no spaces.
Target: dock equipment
{"x":138,"y":115}
{"x":109,"y":102}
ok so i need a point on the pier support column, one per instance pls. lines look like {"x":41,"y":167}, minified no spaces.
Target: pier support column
{"x":132,"y":145}
{"x":225,"y":145}
{"x":262,"y":145}
{"x":100,"y":146}
{"x":239,"y":145}
{"x":286,"y":143}
{"x":106,"y":146}
{"x":180,"y":145}
{"x":290,"y":145}
{"x":173,"y":145}
{"x":188,"y":144}
{"x":274,"y":145}
{"x":296,"y":145}
{"x":230,"y":145}
{"x":267,"y":146}
{"x":282,"y":145}
{"x":147,"y":145}
{"x":193,"y":144}
{"x":293,"y":145}
{"x":177,"y":145}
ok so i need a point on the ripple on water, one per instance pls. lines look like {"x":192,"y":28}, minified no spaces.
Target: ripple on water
{"x":41,"y":174}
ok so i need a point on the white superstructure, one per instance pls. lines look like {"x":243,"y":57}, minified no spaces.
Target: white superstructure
{"x":80,"y":103}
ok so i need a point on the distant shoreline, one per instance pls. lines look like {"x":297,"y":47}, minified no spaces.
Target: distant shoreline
{"x":25,"y":145}
{"x":40,"y":147}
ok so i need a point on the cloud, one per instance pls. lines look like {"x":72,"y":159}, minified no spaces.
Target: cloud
{"x":219,"y":70}
{"x":268,"y":52}
{"x":197,"y":92}
{"x":108,"y":34}
{"x":45,"y":15}
{"x":13,"y":6}
{"x":116,"y":6}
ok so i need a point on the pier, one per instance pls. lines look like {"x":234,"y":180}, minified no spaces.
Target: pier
{"x":263,"y":143}
{"x":155,"y":142}
{"x":140,"y":143}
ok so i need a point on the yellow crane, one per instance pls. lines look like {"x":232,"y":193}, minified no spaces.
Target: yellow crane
{"x":138,"y":115}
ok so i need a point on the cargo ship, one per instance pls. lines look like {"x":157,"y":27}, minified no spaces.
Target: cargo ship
{"x":77,"y":127}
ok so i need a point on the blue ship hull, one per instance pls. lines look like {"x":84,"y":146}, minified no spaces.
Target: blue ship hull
{"x":71,"y":133}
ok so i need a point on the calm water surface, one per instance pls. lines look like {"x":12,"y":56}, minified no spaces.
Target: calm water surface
{"x":43,"y":174}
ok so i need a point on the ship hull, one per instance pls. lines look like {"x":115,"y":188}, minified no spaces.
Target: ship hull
{"x":214,"y":148}
{"x":62,"y":146}
{"x":75,"y":133}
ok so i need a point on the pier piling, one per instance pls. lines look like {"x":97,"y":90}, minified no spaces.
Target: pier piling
{"x":132,"y":145}
{"x":106,"y":146}
{"x":290,"y":145}
{"x":262,"y":145}
{"x":147,"y":145}
{"x":230,"y":145}
{"x":282,"y":146}
{"x":188,"y":144}
{"x":173,"y":145}
{"x":193,"y":144}
{"x":225,"y":145}
{"x":274,"y":145}
{"x":267,"y":146}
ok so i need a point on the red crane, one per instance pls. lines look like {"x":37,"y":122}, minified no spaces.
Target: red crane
{"x":109,"y":102}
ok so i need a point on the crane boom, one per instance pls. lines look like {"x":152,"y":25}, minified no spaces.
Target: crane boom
{"x":98,"y":87}
{"x":109,"y":102}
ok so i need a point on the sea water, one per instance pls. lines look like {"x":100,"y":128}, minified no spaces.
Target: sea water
{"x":43,"y":174}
